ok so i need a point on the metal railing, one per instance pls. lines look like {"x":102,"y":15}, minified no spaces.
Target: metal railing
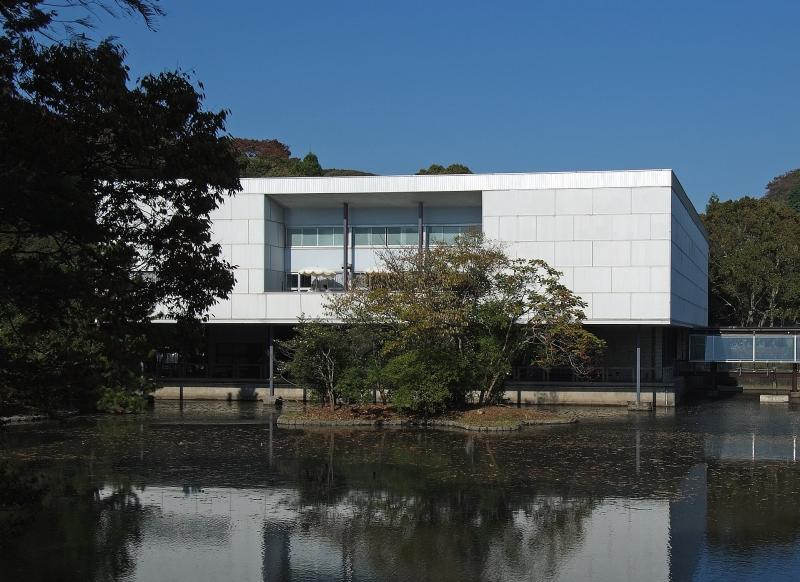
{"x":604,"y":375}
{"x":753,"y":347}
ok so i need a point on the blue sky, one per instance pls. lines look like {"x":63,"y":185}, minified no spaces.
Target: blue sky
{"x":708,"y":88}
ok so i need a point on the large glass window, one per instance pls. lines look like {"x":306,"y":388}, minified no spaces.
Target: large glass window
{"x":775,"y":348}
{"x":733,"y":348}
{"x":447,"y":233}
{"x":309,"y":237}
{"x":315,"y":236}
{"x":295,"y":281}
{"x":377,"y":236}
{"x":362,"y":236}
{"x":402,"y":236}
{"x":295,"y":237}
{"x":325,"y":236}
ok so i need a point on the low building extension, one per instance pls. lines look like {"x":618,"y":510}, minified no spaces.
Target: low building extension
{"x":630,"y":243}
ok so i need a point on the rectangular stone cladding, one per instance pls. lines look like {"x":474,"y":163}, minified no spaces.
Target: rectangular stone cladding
{"x":613,"y":245}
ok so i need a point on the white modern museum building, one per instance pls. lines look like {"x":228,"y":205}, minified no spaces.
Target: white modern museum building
{"x":630,"y":243}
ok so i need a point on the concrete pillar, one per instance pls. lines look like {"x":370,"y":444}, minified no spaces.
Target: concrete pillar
{"x":271,"y":348}
{"x":420,"y":231}
{"x":346,"y":222}
{"x":638,"y":366}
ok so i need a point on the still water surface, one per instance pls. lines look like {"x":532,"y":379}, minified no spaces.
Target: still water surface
{"x":218,"y":492}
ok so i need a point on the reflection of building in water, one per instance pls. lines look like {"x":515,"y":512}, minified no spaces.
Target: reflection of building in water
{"x":241,"y":534}
{"x":738,"y":510}
{"x":642,"y":518}
{"x":610,"y":540}
{"x":687,"y":520}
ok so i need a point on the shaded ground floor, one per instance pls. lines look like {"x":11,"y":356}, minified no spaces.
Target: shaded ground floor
{"x":240,"y":362}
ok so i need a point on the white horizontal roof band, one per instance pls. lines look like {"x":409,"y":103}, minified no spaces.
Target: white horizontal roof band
{"x":459,"y":182}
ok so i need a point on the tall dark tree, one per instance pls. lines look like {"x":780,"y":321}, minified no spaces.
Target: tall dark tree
{"x":104,"y":215}
{"x":754,"y":263}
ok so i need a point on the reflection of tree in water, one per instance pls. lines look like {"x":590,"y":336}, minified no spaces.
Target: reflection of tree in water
{"x":67,"y":529}
{"x":753,"y":505}
{"x":539,"y":539}
{"x":409,"y":510}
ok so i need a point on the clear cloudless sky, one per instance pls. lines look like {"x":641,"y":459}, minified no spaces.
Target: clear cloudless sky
{"x":708,"y":88}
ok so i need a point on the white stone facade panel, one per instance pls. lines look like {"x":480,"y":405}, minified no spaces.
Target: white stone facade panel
{"x":573,"y":254}
{"x":573,"y":201}
{"x":526,"y":228}
{"x":592,"y":279}
{"x":242,"y":284}
{"x":507,"y":228}
{"x":248,"y":206}
{"x":557,"y":228}
{"x":248,"y":305}
{"x":611,"y":253}
{"x":611,"y":306}
{"x":650,"y":306}
{"x":255,"y":281}
{"x":248,"y":256}
{"x":630,"y":279}
{"x":594,"y":227}
{"x":611,"y":201}
{"x":653,"y":253}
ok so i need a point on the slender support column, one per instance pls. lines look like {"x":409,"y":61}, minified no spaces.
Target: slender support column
{"x":794,"y":377}
{"x":713,"y":376}
{"x":420,"y":230}
{"x":271,"y":362}
{"x":638,"y":366}
{"x":345,"y":271}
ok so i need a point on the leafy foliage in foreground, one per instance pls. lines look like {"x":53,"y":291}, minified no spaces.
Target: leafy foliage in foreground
{"x":104,"y":218}
{"x":437,"y":327}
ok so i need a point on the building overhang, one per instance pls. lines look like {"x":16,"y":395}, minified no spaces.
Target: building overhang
{"x":455,"y":199}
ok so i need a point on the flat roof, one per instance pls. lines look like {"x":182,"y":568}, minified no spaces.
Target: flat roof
{"x":459,"y":182}
{"x":453,"y":189}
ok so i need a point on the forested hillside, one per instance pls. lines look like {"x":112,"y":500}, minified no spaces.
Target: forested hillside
{"x":261,"y":158}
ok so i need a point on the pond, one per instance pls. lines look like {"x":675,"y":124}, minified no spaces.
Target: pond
{"x":219,"y":492}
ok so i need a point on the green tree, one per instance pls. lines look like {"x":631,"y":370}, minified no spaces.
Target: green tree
{"x":271,"y":158}
{"x":458,"y":316}
{"x":104,"y":218}
{"x":438,"y":169}
{"x":319,"y":358}
{"x":785,"y":188}
{"x":754,"y":262}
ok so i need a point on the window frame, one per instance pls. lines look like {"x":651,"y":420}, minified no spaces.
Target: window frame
{"x":337,"y":231}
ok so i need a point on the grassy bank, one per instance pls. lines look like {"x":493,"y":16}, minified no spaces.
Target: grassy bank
{"x":486,"y":418}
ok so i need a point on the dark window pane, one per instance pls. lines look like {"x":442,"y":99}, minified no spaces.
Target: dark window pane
{"x":309,"y":237}
{"x":325,"y":236}
{"x":361,"y":236}
{"x":378,"y":236}
{"x":295,"y":237}
{"x":410,"y":236}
